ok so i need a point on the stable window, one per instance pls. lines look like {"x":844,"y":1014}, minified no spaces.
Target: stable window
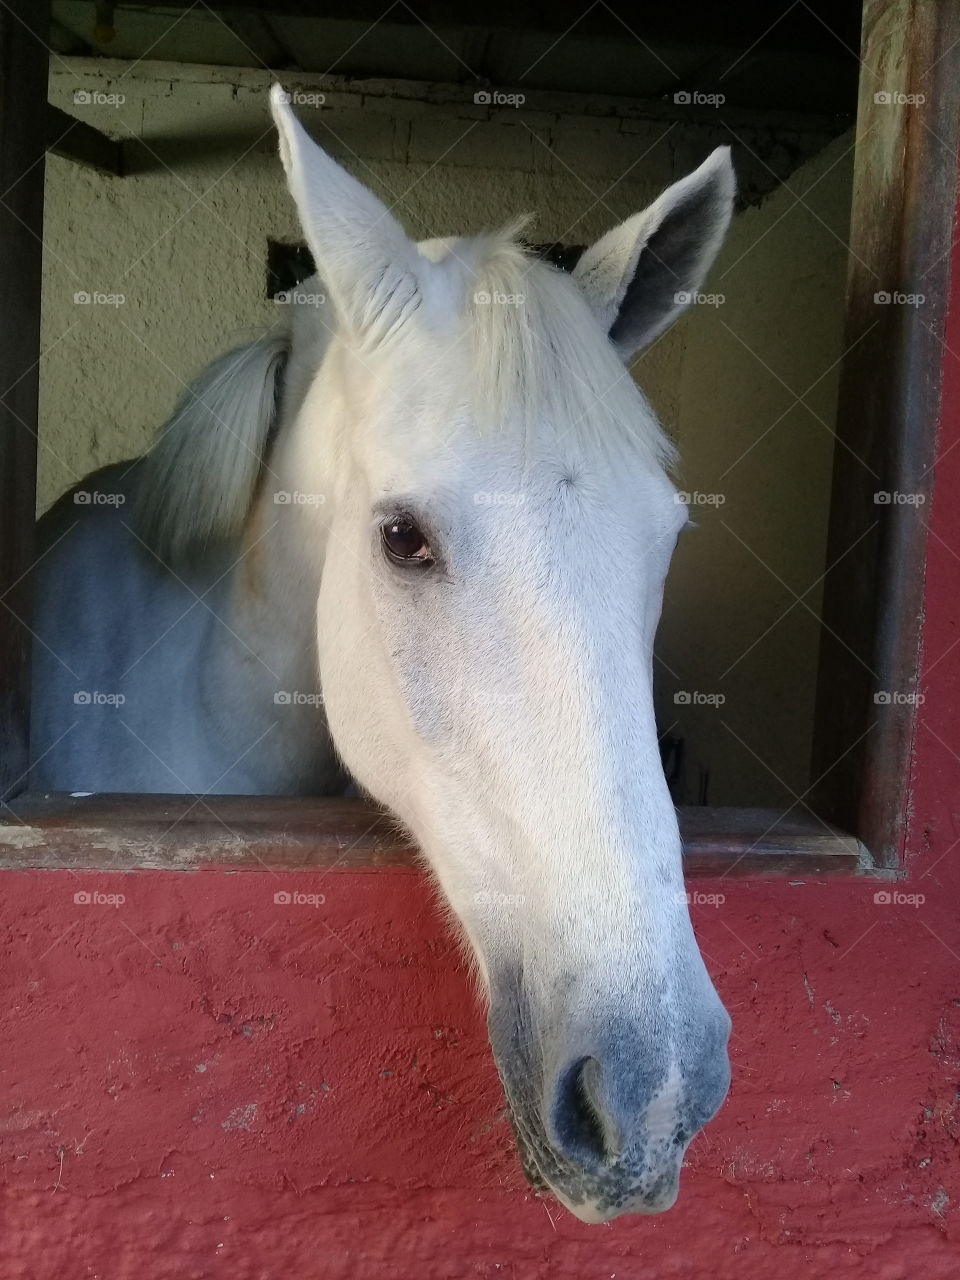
{"x":759,"y":789}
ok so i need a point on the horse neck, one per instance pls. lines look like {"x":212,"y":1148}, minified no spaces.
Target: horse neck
{"x":269,"y":598}
{"x":258,"y":676}
{"x":275,"y":579}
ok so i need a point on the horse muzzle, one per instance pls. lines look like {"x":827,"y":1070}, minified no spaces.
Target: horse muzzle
{"x":605,"y":1127}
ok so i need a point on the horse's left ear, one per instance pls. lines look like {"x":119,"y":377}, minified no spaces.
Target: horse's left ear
{"x":641,"y":275}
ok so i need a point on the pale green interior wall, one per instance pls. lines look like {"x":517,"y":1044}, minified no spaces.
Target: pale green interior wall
{"x":732,"y":624}
{"x":184,"y":243}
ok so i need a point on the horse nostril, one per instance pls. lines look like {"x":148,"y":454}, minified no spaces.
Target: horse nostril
{"x":580,"y":1125}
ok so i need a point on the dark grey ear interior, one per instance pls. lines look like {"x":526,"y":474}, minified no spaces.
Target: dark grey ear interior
{"x":672,"y":265}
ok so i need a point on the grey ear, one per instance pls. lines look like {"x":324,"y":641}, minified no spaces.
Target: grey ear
{"x":641,"y":275}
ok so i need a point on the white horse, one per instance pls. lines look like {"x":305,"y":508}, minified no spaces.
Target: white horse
{"x":486,"y":567}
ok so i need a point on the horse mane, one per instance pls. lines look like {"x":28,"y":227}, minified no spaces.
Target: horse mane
{"x":539,"y":356}
{"x":198,"y":480}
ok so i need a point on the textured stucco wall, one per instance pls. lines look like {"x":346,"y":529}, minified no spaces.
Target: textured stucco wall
{"x":201,"y":1084}
{"x":183,"y":239}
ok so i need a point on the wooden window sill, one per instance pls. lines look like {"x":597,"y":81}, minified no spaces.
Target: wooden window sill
{"x":251,"y":833}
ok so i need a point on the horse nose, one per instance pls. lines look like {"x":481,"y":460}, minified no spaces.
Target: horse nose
{"x":600,"y":1109}
{"x":618,"y":1121}
{"x":604,"y":1101}
{"x":583,"y":1127}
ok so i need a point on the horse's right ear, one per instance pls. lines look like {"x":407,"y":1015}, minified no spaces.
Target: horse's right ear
{"x":367,"y":261}
{"x":641,"y":275}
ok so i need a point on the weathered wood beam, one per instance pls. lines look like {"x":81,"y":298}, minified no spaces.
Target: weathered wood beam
{"x":898,"y":287}
{"x":253,"y":833}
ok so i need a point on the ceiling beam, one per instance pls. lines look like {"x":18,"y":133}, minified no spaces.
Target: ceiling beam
{"x":826,"y":27}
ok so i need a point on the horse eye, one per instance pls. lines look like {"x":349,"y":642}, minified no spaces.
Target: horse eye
{"x":404,"y":542}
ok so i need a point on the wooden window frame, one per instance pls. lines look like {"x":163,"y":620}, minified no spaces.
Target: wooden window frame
{"x":905,"y":190}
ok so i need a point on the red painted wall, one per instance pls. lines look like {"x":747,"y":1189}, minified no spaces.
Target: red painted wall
{"x":198,"y":1082}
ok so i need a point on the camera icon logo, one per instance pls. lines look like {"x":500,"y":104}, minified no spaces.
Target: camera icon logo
{"x":883,"y":98}
{"x":282,"y":498}
{"x":683,"y":98}
{"x":81,"y":98}
{"x":282,"y":698}
{"x":82,"y":698}
{"x":482,"y":98}
{"x":82,"y":898}
{"x":282,"y":898}
{"x":682,"y":698}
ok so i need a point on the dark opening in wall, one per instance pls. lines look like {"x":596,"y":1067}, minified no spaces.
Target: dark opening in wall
{"x":290,"y":264}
